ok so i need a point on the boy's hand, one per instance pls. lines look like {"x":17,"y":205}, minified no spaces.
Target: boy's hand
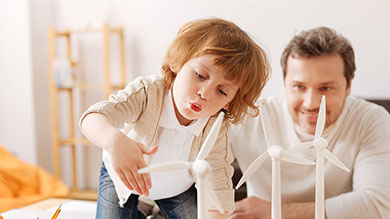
{"x":127,"y":158}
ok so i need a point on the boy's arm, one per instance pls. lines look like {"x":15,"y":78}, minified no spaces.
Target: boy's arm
{"x":220,"y":159}
{"x":126,"y":154}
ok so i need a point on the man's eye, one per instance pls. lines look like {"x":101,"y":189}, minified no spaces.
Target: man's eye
{"x":325,"y":88}
{"x":200,"y":76}
{"x":221,"y":91}
{"x":298,"y":87}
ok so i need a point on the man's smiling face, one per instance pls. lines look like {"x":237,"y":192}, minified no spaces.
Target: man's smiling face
{"x":307,"y":79}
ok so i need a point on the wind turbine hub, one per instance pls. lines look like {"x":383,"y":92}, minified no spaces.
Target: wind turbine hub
{"x":275,"y":151}
{"x":201,"y":167}
{"x":320,"y":143}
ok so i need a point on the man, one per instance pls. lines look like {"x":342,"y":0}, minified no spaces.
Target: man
{"x":315,"y":63}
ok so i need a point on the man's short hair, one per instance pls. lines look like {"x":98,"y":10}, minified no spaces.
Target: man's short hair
{"x":321,"y":41}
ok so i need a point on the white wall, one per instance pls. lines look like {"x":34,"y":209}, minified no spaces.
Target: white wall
{"x":42,"y":14}
{"x":151,"y":25}
{"x":149,"y":28}
{"x":17,"y":118}
{"x":24,"y":113}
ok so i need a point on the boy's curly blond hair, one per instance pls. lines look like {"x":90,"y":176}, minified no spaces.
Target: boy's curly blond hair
{"x":235,"y":53}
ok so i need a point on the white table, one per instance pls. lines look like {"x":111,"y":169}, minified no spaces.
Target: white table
{"x":70,"y":209}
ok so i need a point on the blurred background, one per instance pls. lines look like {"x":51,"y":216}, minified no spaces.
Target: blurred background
{"x":149,"y":26}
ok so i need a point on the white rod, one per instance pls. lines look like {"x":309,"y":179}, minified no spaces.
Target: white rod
{"x":276,"y":200}
{"x":319,"y":200}
{"x":202,"y":208}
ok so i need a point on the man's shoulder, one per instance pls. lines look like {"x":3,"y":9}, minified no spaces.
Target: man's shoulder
{"x":272,"y":107}
{"x":359,"y":105}
{"x":272,"y":101}
{"x":361,"y":111}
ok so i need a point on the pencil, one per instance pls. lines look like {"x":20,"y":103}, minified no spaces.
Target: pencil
{"x":55,"y":215}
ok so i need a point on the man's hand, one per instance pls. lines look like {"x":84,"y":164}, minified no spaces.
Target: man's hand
{"x":214,"y":214}
{"x":127,"y":158}
{"x":251,"y":208}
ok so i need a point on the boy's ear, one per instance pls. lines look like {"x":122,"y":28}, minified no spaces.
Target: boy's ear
{"x":226,"y":107}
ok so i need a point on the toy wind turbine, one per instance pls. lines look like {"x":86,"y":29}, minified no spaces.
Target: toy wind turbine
{"x":320,"y":145}
{"x":201,"y":168}
{"x":276,"y":153}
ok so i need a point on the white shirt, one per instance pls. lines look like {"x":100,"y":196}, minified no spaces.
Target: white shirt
{"x":174,"y":141}
{"x":360,"y":138}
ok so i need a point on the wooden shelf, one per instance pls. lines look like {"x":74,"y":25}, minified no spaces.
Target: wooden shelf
{"x":84,"y":86}
{"x":81,"y":141}
{"x":84,"y":194}
{"x":107,"y":86}
{"x":68,"y":32}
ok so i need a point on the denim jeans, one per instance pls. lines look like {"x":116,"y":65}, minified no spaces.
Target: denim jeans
{"x":180,"y":206}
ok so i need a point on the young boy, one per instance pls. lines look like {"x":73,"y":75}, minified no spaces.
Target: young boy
{"x":211,"y":65}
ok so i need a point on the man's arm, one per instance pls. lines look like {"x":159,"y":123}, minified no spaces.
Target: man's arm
{"x":370,"y":195}
{"x":213,"y":214}
{"x":254,"y":207}
{"x":298,"y":210}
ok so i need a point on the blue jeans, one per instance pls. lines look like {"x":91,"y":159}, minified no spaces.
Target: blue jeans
{"x":180,"y":206}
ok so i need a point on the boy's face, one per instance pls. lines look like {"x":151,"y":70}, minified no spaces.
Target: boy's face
{"x":307,"y":79}
{"x":200,"y":90}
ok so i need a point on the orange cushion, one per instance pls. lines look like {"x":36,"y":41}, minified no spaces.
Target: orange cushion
{"x":22,"y":184}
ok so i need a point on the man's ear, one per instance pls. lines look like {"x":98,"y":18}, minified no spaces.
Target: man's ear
{"x":349,"y":87}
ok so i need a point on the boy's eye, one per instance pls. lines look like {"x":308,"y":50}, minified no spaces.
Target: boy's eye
{"x":221,"y":91}
{"x":200,"y":76}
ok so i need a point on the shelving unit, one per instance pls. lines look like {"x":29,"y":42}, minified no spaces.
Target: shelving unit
{"x":55,"y":88}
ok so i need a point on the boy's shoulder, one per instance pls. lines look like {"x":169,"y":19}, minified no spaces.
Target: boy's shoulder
{"x":149,"y":83}
{"x":149,"y":79}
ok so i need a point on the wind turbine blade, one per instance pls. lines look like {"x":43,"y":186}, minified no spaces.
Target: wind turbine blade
{"x":321,"y":118}
{"x":173,"y":165}
{"x":211,"y":138}
{"x":333,"y":159}
{"x":213,"y":197}
{"x":300,"y":147}
{"x":297,"y":160}
{"x":263,"y":123}
{"x":252,"y":168}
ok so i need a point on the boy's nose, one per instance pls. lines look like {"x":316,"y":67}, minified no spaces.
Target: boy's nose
{"x":204,"y":93}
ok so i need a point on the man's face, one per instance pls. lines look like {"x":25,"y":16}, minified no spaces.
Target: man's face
{"x":307,"y":79}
